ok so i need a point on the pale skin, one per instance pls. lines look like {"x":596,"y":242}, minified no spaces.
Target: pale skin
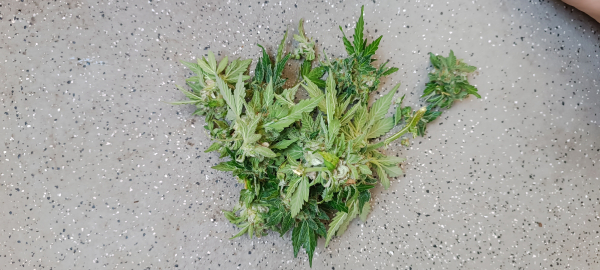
{"x":590,"y":7}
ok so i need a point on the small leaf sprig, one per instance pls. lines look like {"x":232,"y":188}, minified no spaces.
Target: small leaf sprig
{"x":447,"y":83}
{"x":308,"y":166}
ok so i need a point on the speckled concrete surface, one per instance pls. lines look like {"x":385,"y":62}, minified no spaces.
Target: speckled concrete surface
{"x":98,"y":172}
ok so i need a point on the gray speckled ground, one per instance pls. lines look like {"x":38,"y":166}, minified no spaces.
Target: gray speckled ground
{"x":98,"y":172}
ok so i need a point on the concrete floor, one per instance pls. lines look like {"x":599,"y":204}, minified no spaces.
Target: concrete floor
{"x":98,"y":172}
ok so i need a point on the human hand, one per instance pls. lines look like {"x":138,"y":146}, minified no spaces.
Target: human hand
{"x":590,"y":7}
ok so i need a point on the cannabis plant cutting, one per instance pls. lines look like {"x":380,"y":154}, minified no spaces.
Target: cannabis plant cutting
{"x":307,"y":165}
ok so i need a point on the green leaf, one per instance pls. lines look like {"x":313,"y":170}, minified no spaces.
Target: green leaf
{"x":334,"y":128}
{"x":280,"y":47}
{"x":435,"y":61}
{"x":370,"y":50}
{"x":296,"y":241}
{"x":389,"y":71}
{"x":227,"y":95}
{"x":471,"y":89}
{"x":226,"y":166}
{"x":283,"y":144}
{"x":393,"y":170}
{"x":206,"y":67}
{"x":335,"y":224}
{"x":265,"y":152}
{"x":331,"y":99}
{"x":243,"y":230}
{"x":294,"y":151}
{"x":385,"y":181}
{"x":317,"y":73}
{"x":353,"y":211}
{"x":230,"y":215}
{"x":381,"y":106}
{"x":390,"y":160}
{"x":212,"y":62}
{"x":189,"y":94}
{"x":306,"y":105}
{"x":330,"y":160}
{"x":300,"y":196}
{"x":239,"y":94}
{"x":363,"y":197}
{"x":358,"y":33}
{"x":366,"y":209}
{"x":222,"y":64}
{"x":381,"y":127}
{"x":310,"y":240}
{"x":314,"y":92}
{"x":193,"y":67}
{"x":213,"y":147}
{"x":338,"y":206}
{"x":240,"y":67}
{"x":274,"y":218}
{"x":184,"y":102}
{"x":286,"y":223}
{"x":268,"y":95}
{"x":347,"y":44}
{"x":451,"y":60}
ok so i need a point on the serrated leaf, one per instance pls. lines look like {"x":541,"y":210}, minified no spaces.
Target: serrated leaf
{"x":389,"y":71}
{"x":227,"y":95}
{"x":268,"y":95}
{"x":363,"y":197}
{"x":358,"y":33}
{"x":347,"y":44}
{"x":280,"y":47}
{"x":283,"y":144}
{"x":393,"y":170}
{"x":213,"y":147}
{"x":338,"y":206}
{"x":189,"y":94}
{"x":300,"y":196}
{"x":296,"y":241}
{"x":233,"y":71}
{"x":314,"y":92}
{"x":205,"y":67}
{"x":381,"y":127}
{"x":274,"y":218}
{"x":193,"y":67}
{"x":335,"y":224}
{"x":317,"y":73}
{"x":294,"y":151}
{"x":435,"y":61}
{"x":333,"y":129}
{"x":226,"y":166}
{"x":331,"y":100}
{"x":310,"y":240}
{"x":212,"y":62}
{"x":364,"y":169}
{"x":366,"y":209}
{"x":222,"y":64}
{"x":303,"y":106}
{"x":230,"y":215}
{"x":183,"y":102}
{"x":370,"y":50}
{"x":264,"y":151}
{"x":353,"y":211}
{"x":390,"y":160}
{"x":239,"y":95}
{"x":286,"y":223}
{"x":243,"y":230}
{"x":383,"y":178}
{"x":381,"y":106}
{"x":451,"y":60}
